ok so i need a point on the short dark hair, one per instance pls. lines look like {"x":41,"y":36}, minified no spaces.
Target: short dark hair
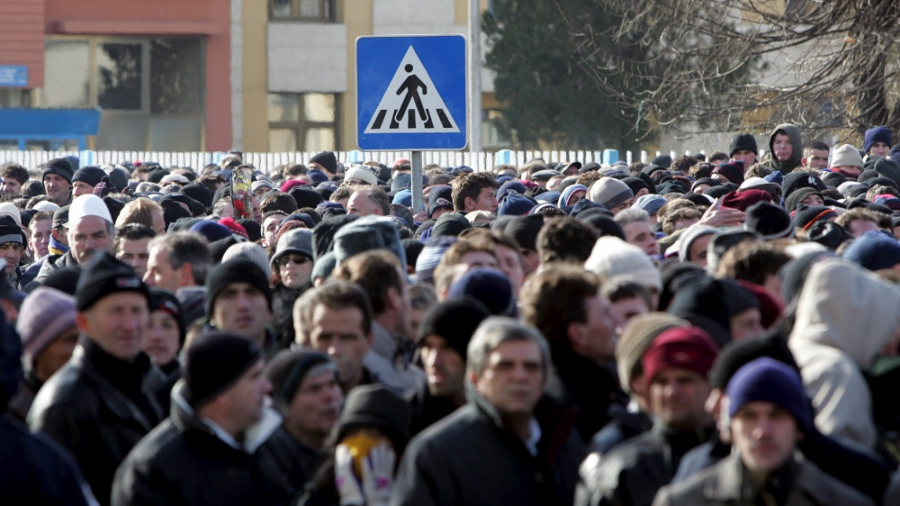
{"x":277,"y":201}
{"x":132,"y":232}
{"x":554,"y":297}
{"x":566,"y":240}
{"x":621,"y":290}
{"x":469,"y":186}
{"x":335,"y":295}
{"x":683,"y":163}
{"x":816,"y":144}
{"x":297,"y":169}
{"x":751,"y":261}
{"x":15,"y":171}
{"x":375,"y":272}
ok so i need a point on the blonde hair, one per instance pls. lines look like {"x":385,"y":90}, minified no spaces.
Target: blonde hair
{"x":139,"y":210}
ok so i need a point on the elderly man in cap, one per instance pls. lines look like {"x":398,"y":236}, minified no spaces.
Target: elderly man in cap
{"x":56,"y":177}
{"x":209,"y":451}
{"x":676,"y":366}
{"x":239,"y":300}
{"x":769,"y":416}
{"x":98,"y":406}
{"x":507,"y":445}
{"x":90,"y":230}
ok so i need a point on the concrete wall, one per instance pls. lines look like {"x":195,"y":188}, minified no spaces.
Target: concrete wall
{"x":307,"y":57}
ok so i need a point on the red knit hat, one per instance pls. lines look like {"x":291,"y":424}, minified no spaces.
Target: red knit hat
{"x":688,"y":348}
{"x":743,"y":199}
{"x":769,"y":308}
{"x":234,"y":226}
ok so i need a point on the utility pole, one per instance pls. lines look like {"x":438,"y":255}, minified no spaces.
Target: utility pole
{"x":474,"y":76}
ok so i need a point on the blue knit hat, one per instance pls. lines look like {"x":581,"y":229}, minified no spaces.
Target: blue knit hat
{"x":874,"y":251}
{"x":515,"y":204}
{"x":768,"y":380}
{"x":877,"y":134}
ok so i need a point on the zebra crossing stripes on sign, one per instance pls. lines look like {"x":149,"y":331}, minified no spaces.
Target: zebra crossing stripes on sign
{"x":411,"y":92}
{"x":411,"y":103}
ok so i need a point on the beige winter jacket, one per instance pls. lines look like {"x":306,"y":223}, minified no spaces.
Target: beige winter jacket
{"x":845,"y":317}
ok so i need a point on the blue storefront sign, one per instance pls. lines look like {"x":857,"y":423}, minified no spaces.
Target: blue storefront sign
{"x":13,"y":76}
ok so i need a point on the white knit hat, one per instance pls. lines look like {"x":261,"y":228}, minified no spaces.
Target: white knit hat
{"x":46,"y":205}
{"x":362,"y":174}
{"x":8,"y":209}
{"x":88,"y":205}
{"x":614,"y":258}
{"x":846,"y":156}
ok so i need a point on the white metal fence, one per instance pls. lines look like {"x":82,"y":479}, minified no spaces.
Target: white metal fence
{"x":268,"y":161}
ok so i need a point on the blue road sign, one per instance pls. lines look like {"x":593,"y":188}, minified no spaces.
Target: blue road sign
{"x":411,"y":92}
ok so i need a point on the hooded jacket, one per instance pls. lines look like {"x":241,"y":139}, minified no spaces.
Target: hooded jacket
{"x":845,"y":317}
{"x":792,"y":131}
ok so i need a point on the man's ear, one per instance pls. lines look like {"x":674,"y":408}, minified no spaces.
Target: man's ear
{"x":186,"y":274}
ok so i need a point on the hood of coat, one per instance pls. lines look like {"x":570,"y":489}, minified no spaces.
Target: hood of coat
{"x":792,"y":131}
{"x":846,"y":307}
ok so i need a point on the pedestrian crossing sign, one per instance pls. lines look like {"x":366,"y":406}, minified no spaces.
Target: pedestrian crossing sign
{"x":411,"y":92}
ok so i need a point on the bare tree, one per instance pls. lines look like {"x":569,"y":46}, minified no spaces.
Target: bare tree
{"x":721,"y":65}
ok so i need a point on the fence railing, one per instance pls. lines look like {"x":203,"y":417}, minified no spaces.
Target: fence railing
{"x":268,"y":161}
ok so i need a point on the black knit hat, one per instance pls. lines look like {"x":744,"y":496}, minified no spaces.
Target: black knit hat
{"x":735,"y":354}
{"x":90,"y":175}
{"x":326,"y":159}
{"x":104,"y":275}
{"x":450,"y":224}
{"x":376,"y":407}
{"x":796,"y":180}
{"x":768,"y":220}
{"x":235,"y":270}
{"x":164,"y":300}
{"x":10,"y":231}
{"x":288,"y":368}
{"x":525,"y":229}
{"x":455,"y":321}
{"x":199,"y":193}
{"x":742,"y":142}
{"x":806,"y":216}
{"x":305,"y":197}
{"x":59,"y":166}
{"x":213,"y":362}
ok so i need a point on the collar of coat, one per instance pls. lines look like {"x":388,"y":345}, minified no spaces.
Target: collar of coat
{"x":186,"y":418}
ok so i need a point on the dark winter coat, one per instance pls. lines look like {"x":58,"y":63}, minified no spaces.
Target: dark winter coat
{"x":632,"y":473}
{"x":471,"y":459}
{"x":184,"y":462}
{"x":98,"y":408}
{"x":728,"y":483}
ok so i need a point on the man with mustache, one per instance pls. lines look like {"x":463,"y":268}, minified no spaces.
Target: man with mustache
{"x":769,"y":414}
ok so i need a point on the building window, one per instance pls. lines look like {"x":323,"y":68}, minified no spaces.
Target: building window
{"x":304,"y":10}
{"x":15,"y":98}
{"x":150,"y":89}
{"x":303,"y":122}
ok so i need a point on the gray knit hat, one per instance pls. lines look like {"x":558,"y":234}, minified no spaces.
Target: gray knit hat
{"x":609,"y":192}
{"x":297,"y":241}
{"x":688,"y":237}
{"x":636,"y":338}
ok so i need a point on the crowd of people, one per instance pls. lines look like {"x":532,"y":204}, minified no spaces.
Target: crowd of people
{"x":718,"y":330}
